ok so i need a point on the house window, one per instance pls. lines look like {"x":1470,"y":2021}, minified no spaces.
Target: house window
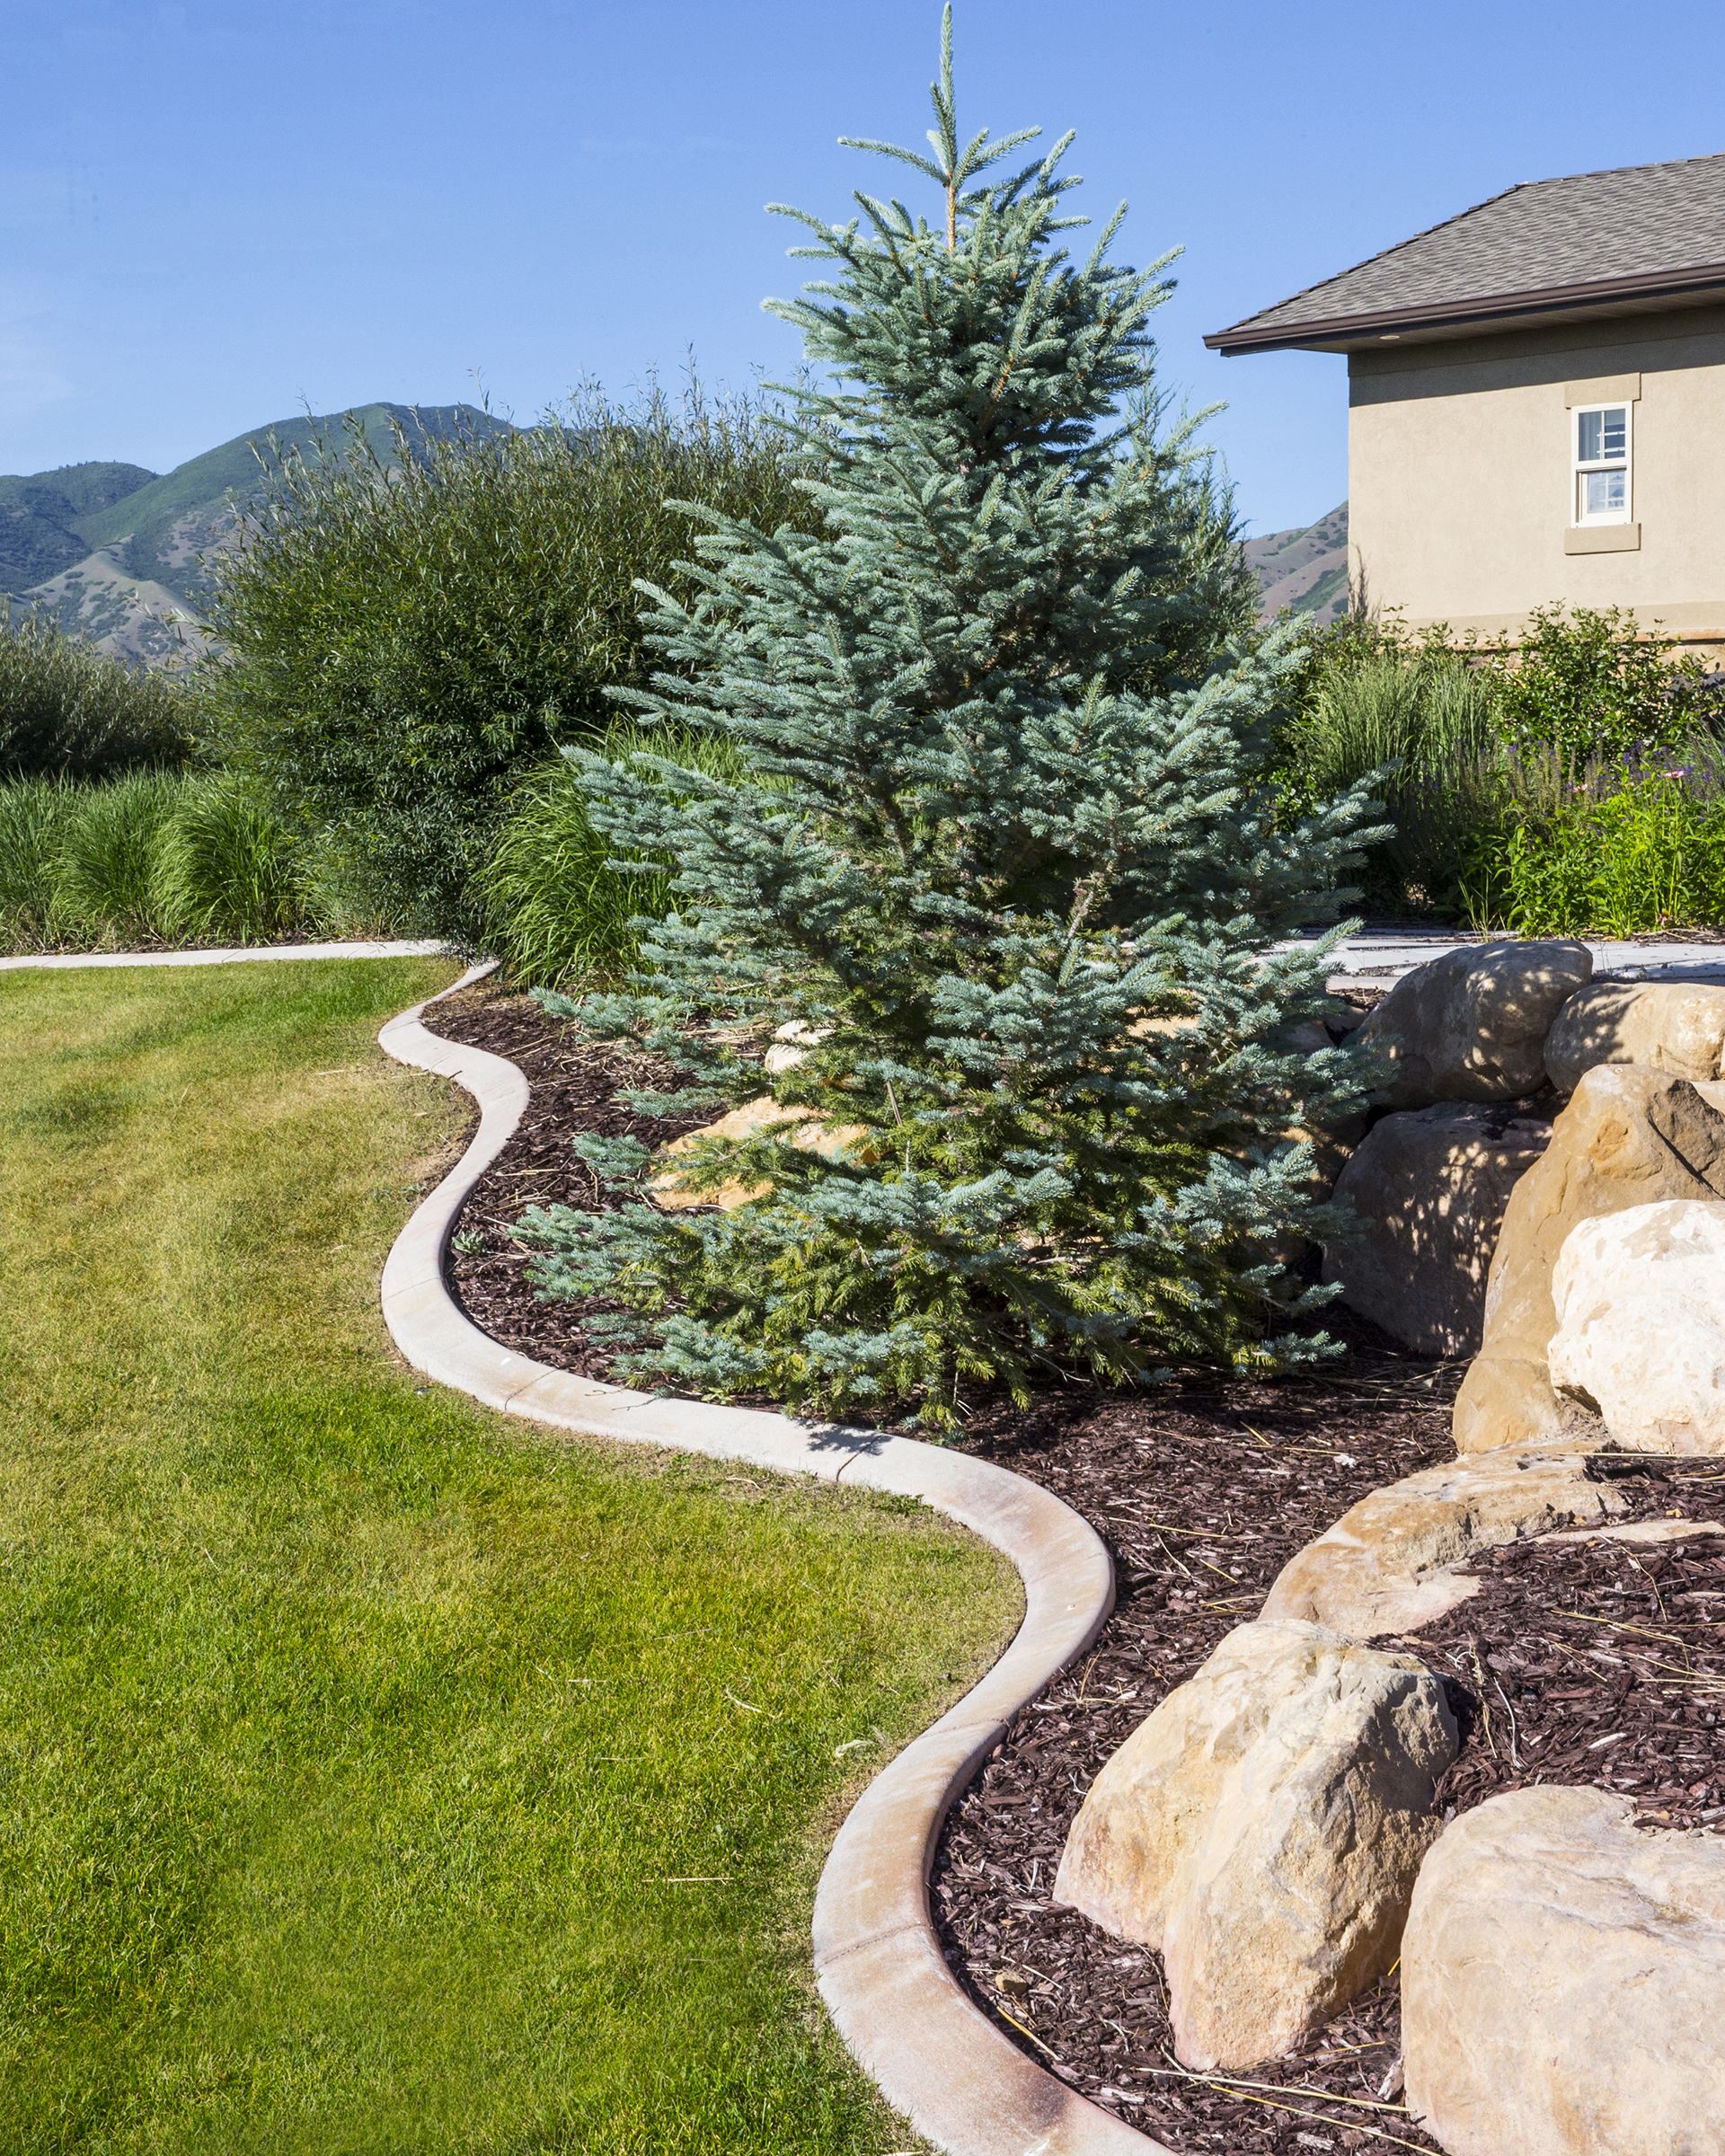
{"x":1601,"y":480}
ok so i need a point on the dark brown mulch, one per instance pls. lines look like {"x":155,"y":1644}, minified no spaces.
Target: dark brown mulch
{"x":1203,"y":1493}
{"x":572,"y":1084}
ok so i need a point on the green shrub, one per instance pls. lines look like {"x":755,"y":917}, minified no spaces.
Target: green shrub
{"x":1587,"y":684}
{"x":401,"y":646}
{"x":68,"y":709}
{"x":559,"y":908}
{"x":1622,"y":850}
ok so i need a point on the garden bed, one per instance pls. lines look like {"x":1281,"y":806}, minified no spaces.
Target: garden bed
{"x":1596,"y":1663}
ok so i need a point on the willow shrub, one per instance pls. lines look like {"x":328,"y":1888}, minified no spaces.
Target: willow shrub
{"x":402,"y":643}
{"x":70,"y":710}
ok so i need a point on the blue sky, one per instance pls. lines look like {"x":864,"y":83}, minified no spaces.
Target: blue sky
{"x":212,"y":215}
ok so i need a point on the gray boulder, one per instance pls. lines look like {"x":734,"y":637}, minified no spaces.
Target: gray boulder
{"x":1431,"y":1187}
{"x":1472,"y":1025}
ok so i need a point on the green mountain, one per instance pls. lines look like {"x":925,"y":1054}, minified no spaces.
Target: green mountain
{"x":1305,"y":570}
{"x":39,"y":517}
{"x":114,"y":550}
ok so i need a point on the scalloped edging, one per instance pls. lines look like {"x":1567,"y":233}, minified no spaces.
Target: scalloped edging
{"x":877,"y":1956}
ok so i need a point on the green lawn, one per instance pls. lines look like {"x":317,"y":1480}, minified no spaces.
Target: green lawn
{"x":379,"y":1775}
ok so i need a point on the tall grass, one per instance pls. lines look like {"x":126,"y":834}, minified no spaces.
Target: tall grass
{"x":1614,"y":848}
{"x":155,"y":858}
{"x":70,"y":710}
{"x":1426,"y":722}
{"x":557,"y":905}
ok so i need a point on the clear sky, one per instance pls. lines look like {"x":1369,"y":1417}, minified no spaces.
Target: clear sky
{"x":214,"y":214}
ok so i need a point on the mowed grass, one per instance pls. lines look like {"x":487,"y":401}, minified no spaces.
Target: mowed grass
{"x":376,"y":1774}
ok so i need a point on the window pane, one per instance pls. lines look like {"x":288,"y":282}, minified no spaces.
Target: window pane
{"x":1616,"y":419}
{"x":1591,"y":430}
{"x":1606,"y":493}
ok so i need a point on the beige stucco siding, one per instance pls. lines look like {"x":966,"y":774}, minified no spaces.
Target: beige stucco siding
{"x":1459,"y":474}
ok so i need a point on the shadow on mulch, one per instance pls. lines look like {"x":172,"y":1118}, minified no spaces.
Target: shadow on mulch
{"x":1593,"y":1663}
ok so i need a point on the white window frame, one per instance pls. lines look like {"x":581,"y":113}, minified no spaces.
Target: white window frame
{"x":1579,"y":466}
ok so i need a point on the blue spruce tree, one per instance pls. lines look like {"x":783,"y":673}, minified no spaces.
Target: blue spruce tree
{"x":1004,"y":867}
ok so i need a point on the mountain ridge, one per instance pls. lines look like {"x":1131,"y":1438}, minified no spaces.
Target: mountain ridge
{"x":113,"y":551}
{"x":1305,"y":570}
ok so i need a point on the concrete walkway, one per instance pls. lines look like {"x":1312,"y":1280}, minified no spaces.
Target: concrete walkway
{"x":1378,"y":960}
{"x":425,"y":947}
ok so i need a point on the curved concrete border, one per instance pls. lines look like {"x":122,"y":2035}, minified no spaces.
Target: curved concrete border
{"x":878,"y":1958}
{"x":54,"y":961}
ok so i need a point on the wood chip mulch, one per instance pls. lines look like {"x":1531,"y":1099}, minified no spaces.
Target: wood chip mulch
{"x":1594,"y":1662}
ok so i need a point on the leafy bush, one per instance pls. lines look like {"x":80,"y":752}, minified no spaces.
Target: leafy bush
{"x":70,"y":710}
{"x":1622,"y":850}
{"x":402,"y":645}
{"x":1587,"y":684}
{"x":998,"y":852}
{"x":558,"y":903}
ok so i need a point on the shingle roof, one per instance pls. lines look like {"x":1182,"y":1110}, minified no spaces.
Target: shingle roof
{"x":1643,"y":225}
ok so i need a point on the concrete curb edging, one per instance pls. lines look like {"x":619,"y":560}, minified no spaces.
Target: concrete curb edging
{"x":56,"y":961}
{"x":878,"y":1958}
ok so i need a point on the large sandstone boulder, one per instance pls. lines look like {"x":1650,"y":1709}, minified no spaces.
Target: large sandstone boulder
{"x":1263,"y":1828}
{"x":1561,"y":1977}
{"x":1628,"y":1137}
{"x":1472,"y":1025}
{"x":1640,"y":1300}
{"x":1668,"y":1026}
{"x":1393,"y":1561}
{"x":808,"y":1132}
{"x":1432,"y":1184}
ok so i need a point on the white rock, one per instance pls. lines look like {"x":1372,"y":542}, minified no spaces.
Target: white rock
{"x":1561,"y":1977}
{"x":1629,"y":1137}
{"x":1263,"y":1828}
{"x":1641,"y":1324}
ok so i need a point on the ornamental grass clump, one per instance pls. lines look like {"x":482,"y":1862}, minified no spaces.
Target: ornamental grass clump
{"x":998,"y":863}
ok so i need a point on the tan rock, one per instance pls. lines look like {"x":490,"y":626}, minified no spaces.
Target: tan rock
{"x":1561,"y":1981}
{"x":1666,"y":1026}
{"x":812,"y":1134}
{"x":1391,"y":1563}
{"x":1262,"y":1828}
{"x":1472,"y":1025}
{"x":1628,"y":1137}
{"x":1640,"y":1300}
{"x":1433,"y":1185}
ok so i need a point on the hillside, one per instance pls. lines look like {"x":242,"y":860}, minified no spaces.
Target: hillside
{"x":1304,"y":570}
{"x":40,"y":516}
{"x":113,"y":550}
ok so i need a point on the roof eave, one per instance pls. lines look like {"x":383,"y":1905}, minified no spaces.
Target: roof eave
{"x":1500,"y":311}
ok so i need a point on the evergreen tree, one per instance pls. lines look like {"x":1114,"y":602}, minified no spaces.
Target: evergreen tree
{"x":1003,"y":866}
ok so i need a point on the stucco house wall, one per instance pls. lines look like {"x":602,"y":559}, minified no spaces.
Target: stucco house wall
{"x":1460,"y":486}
